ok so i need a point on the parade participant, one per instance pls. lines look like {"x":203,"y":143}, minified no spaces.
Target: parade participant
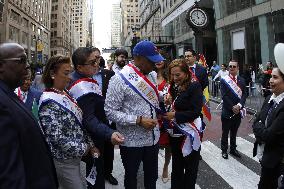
{"x":187,"y":105}
{"x":198,"y":70}
{"x":29,"y":96}
{"x":233,"y":91}
{"x":26,"y":161}
{"x":131,"y":101}
{"x":164,"y":142}
{"x":61,"y":121}
{"x":102,"y":76}
{"x":268,"y":128}
{"x":222,"y":73}
{"x":88,"y":94}
{"x":120,"y":56}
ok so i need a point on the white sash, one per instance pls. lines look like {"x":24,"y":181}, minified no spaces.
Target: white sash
{"x":63,"y":101}
{"x":141,"y":85}
{"x":84,"y":86}
{"x":233,"y":86}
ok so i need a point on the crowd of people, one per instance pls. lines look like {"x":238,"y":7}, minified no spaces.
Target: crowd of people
{"x":77,"y":111}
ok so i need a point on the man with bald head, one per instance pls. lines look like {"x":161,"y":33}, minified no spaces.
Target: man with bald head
{"x":25,"y":159}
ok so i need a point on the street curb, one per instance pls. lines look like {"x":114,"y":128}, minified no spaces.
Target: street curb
{"x":218,"y":100}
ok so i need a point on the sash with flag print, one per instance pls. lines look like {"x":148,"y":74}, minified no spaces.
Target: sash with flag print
{"x":83,"y":87}
{"x":192,"y":131}
{"x":140,"y":84}
{"x":236,"y":90}
{"x":63,"y":101}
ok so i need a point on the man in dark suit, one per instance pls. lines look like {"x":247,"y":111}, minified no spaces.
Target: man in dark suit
{"x":198,"y":70}
{"x":27,"y":94}
{"x":103,"y":76}
{"x":25,"y":159}
{"x":91,"y":101}
{"x":233,"y":103}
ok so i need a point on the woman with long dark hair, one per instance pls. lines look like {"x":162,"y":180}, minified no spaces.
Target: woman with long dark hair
{"x":186,"y":99}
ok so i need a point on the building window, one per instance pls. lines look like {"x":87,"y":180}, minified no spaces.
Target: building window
{"x":14,"y":34}
{"x":25,"y":38}
{"x":15,"y":16}
{"x":1,"y":10}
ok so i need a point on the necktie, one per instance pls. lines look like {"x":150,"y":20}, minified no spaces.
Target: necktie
{"x":272,"y":105}
{"x":234,"y":78}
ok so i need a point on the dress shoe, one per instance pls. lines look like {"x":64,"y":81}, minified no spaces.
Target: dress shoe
{"x":225,"y":155}
{"x":235,"y":153}
{"x":111,"y":179}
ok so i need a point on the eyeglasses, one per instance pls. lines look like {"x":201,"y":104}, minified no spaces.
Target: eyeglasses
{"x":92,"y":62}
{"x":232,"y":66}
{"x":21,"y":60}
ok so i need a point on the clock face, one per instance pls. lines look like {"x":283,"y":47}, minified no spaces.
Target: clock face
{"x":198,"y":17}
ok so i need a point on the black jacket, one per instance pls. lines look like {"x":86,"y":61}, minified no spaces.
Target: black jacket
{"x":25,"y":158}
{"x":272,"y":134}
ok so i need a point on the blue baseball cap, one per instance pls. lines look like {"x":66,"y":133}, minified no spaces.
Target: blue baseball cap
{"x":149,"y":50}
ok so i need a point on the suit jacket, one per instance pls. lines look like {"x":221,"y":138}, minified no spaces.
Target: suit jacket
{"x":271,"y":134}
{"x":106,"y":75}
{"x":202,"y":76}
{"x":33,"y":94}
{"x":229,"y":99}
{"x":25,"y":158}
{"x":94,"y":117}
{"x":188,"y":104}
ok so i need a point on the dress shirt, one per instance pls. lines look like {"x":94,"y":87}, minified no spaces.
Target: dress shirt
{"x":21,"y":94}
{"x":123,"y":106}
{"x":221,"y":74}
{"x":99,"y":79}
{"x":276,"y":99}
{"x":116,"y":68}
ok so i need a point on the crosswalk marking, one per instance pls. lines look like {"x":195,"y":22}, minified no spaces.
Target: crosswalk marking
{"x":245,"y":147}
{"x":232,"y":171}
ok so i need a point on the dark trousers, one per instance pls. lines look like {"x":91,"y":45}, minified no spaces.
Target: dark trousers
{"x":131,"y":159}
{"x":232,"y":126}
{"x":269,"y":177}
{"x":184,"y":169}
{"x":99,"y":163}
{"x":108,"y":158}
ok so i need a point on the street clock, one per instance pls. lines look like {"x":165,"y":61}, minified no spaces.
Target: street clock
{"x":197,"y":17}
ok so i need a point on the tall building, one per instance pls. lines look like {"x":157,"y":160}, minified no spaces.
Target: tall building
{"x":90,"y":40}
{"x":60,"y":38}
{"x":115,"y":25}
{"x":130,"y":20}
{"x":80,"y":18}
{"x":27,"y":23}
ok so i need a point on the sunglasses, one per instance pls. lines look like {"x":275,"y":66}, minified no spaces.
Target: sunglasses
{"x":20,"y":60}
{"x":92,"y":62}
{"x":231,"y":66}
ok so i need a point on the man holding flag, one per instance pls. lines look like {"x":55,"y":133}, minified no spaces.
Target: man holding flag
{"x":234,"y":96}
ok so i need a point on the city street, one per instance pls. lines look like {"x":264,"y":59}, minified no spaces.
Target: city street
{"x":214,"y":171}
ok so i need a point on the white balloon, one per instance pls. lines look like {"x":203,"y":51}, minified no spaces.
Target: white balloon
{"x":279,"y":56}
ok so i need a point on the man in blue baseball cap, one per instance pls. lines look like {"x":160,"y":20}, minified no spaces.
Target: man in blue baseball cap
{"x":131,"y":102}
{"x":145,"y":55}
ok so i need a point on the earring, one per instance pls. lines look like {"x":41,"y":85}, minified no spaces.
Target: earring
{"x":52,"y":77}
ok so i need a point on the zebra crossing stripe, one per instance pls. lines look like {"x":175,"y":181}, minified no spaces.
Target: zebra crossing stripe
{"x":246,"y":148}
{"x":233,"y":172}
